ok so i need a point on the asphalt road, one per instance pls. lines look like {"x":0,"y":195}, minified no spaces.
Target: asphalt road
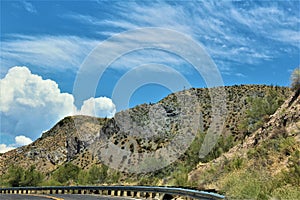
{"x":57,"y":197}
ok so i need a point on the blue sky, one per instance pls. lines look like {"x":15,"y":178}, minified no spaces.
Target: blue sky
{"x":251,"y":42}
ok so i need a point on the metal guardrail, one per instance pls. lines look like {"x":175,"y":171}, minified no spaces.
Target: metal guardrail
{"x":191,"y":193}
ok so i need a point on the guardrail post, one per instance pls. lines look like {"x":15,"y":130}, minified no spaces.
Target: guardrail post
{"x":159,"y":196}
{"x":151,"y":195}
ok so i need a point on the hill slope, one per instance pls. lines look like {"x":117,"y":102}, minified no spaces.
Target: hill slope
{"x":73,"y":135}
{"x":266,"y":164}
{"x":78,"y":139}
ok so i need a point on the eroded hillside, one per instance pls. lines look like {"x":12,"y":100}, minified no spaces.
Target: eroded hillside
{"x":266,"y":164}
{"x":147,"y":128}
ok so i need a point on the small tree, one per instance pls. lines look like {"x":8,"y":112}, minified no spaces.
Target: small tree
{"x":15,"y":175}
{"x":31,"y":177}
{"x":259,"y":111}
{"x":97,"y":174}
{"x":295,"y":79}
{"x":67,"y":172}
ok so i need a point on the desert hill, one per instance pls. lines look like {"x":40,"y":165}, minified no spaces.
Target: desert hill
{"x":76,"y":140}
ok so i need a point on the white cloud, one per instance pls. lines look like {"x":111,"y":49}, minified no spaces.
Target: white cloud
{"x":30,"y":104}
{"x":22,"y":140}
{"x":100,"y":107}
{"x":244,"y":33}
{"x":51,"y":52}
{"x":20,"y":90}
{"x":29,"y":7}
{"x":260,"y":28}
{"x":4,"y":148}
{"x":240,"y":34}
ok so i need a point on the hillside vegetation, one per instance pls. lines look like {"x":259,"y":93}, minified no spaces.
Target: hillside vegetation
{"x":257,"y":155}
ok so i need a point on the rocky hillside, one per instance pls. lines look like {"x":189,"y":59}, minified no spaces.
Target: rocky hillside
{"x":266,"y":164}
{"x":56,"y":146}
{"x":145,"y":129}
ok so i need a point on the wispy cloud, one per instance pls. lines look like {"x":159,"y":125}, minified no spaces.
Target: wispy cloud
{"x":53,"y":52}
{"x":245,"y":33}
{"x":62,"y":53}
{"x":29,"y":7}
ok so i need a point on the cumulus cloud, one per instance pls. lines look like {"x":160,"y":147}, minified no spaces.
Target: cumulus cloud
{"x":29,"y":105}
{"x":22,"y":140}
{"x":4,"y":148}
{"x":101,"y":107}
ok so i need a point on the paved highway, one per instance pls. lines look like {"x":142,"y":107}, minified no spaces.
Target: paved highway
{"x":57,"y":197}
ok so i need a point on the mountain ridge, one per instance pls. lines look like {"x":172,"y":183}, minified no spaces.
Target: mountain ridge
{"x":235,"y":94}
{"x":76,"y":139}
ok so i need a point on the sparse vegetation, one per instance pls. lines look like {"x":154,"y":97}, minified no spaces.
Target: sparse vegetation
{"x":66,"y":174}
{"x":261,"y":107}
{"x":95,"y":175}
{"x":268,"y":169}
{"x":295,"y":79}
{"x":17,"y":177}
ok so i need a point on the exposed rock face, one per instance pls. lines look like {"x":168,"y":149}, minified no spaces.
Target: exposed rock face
{"x":285,"y":122}
{"x":68,"y":138}
{"x":142,"y":129}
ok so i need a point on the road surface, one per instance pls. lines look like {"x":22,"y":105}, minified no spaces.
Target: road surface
{"x":58,"y":197}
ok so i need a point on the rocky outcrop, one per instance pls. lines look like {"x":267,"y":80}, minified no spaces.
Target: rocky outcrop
{"x":142,"y":129}
{"x":284,"y":123}
{"x":64,"y":142}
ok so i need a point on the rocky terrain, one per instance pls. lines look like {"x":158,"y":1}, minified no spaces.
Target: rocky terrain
{"x":71,"y":138}
{"x":269,"y":156}
{"x":140,"y":139}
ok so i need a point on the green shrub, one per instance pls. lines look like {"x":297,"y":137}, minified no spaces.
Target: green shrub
{"x":259,"y":111}
{"x":180,"y":176}
{"x":295,"y":79}
{"x":234,"y":164}
{"x":66,"y":173}
{"x":15,"y":176}
{"x":245,"y":185}
{"x":31,"y":177}
{"x":113,"y":176}
{"x":223,"y":144}
{"x":18,"y":177}
{"x":256,"y":183}
{"x":51,"y":182}
{"x":97,"y":174}
{"x":286,"y":192}
{"x":83,"y":177}
{"x":293,"y":175}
